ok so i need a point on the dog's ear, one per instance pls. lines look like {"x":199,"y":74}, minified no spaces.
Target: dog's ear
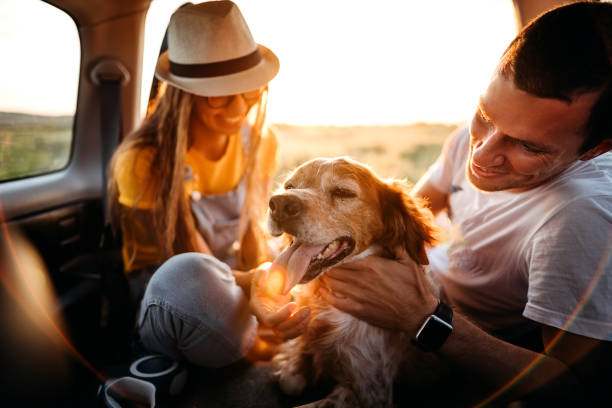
{"x":406,"y":220}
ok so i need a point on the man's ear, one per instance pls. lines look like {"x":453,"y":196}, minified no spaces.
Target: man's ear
{"x":600,"y":149}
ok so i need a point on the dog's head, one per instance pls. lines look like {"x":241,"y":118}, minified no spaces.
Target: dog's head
{"x":334,"y":209}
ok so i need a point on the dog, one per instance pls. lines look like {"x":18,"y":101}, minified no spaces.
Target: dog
{"x":334,"y":211}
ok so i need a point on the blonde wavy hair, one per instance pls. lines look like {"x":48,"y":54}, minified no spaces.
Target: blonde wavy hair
{"x":166,"y":130}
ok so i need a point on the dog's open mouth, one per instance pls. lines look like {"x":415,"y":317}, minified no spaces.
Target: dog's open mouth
{"x":304,"y":262}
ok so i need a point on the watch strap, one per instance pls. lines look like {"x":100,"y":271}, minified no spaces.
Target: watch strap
{"x":444,"y":312}
{"x":444,"y":317}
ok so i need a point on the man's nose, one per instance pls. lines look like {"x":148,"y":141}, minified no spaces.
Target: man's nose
{"x":489,"y":149}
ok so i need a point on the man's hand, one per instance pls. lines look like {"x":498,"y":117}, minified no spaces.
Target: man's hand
{"x":389,"y":293}
{"x":271,"y":308}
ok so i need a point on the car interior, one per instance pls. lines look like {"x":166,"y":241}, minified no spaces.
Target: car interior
{"x":66,"y":318}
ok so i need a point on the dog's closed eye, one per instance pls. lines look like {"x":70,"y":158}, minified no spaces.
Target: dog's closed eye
{"x":339,"y":192}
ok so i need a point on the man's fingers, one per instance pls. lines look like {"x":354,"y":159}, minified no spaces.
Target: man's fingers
{"x":338,"y":300}
{"x":345,"y":273}
{"x":339,"y":287}
{"x":400,"y":252}
{"x":353,"y":271}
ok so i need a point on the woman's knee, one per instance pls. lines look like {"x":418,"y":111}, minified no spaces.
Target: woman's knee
{"x":192,"y":300}
{"x":189,"y":273}
{"x":206,"y":344}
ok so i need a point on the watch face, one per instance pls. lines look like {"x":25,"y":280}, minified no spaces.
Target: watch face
{"x":433,"y":333}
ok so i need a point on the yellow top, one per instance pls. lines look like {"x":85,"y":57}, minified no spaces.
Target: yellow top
{"x":137,"y":186}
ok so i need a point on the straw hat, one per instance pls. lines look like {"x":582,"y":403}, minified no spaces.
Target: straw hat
{"x":211,"y":52}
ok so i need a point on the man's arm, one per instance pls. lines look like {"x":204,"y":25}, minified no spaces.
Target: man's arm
{"x":438,"y":201}
{"x":441,"y":171}
{"x":503,"y":372}
{"x":588,"y":359}
{"x":400,"y":299}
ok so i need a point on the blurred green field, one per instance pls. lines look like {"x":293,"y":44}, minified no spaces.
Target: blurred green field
{"x":391,"y":151}
{"x":34,"y":144}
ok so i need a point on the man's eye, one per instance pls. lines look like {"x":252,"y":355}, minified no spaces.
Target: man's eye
{"x":531,"y":149}
{"x":342,"y":193}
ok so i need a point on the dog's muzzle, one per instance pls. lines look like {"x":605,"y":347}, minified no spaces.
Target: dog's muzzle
{"x":285,"y":207}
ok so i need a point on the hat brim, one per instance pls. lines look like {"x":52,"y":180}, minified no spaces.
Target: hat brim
{"x":232,"y":84}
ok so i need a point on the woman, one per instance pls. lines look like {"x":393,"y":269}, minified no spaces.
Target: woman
{"x":193,"y":180}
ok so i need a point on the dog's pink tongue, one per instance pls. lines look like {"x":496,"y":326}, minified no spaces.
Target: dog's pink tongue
{"x":295,"y":260}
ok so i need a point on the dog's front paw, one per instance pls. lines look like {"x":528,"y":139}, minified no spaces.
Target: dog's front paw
{"x":292,"y":383}
{"x":288,"y":369}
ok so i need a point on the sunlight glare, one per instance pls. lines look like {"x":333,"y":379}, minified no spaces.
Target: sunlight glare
{"x":347,"y":62}
{"x":30,"y":310}
{"x":343,"y":62}
{"x":275,"y":281}
{"x":352,"y":62}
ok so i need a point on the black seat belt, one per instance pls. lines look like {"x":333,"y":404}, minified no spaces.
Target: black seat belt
{"x":110,"y":132}
{"x":109,"y":75}
{"x":116,"y":317}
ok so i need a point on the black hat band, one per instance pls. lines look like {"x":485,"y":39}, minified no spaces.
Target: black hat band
{"x":219,"y":68}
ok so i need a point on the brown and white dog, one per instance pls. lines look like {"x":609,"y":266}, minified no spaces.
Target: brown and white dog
{"x":337,"y":210}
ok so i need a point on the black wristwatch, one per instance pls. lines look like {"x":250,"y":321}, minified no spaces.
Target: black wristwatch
{"x":436,"y":329}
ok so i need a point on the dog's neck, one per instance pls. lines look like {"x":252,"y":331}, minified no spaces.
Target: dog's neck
{"x":371,"y":250}
{"x":312,"y":287}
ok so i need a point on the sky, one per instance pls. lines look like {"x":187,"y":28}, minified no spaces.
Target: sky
{"x":343,"y":62}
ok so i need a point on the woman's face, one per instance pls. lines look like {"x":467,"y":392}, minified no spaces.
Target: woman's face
{"x":224,"y":114}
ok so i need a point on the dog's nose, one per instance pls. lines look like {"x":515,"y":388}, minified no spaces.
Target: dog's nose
{"x":282,"y":206}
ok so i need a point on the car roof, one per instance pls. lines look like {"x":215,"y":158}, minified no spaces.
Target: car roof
{"x":91,"y":12}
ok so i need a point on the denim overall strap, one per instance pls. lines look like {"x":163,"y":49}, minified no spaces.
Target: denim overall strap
{"x":217,"y":215}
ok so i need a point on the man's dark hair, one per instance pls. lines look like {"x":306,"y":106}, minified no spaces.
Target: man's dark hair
{"x":564,"y":53}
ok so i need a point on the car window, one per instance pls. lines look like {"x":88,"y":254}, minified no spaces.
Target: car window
{"x":38,"y":88}
{"x":158,"y":17}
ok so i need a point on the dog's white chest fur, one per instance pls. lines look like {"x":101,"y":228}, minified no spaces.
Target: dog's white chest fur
{"x":354,"y":340}
{"x":350,"y":350}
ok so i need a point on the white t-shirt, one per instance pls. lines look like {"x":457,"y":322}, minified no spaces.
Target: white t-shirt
{"x":544,"y":254}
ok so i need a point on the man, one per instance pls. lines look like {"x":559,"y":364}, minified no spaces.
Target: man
{"x":529,"y":189}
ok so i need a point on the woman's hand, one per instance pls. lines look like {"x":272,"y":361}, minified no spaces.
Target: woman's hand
{"x":271,"y":308}
{"x":389,"y":293}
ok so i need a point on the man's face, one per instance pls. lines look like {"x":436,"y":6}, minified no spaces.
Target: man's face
{"x":518,"y":140}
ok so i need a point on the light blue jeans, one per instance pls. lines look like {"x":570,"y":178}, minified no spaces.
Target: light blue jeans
{"x":194,"y":311}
